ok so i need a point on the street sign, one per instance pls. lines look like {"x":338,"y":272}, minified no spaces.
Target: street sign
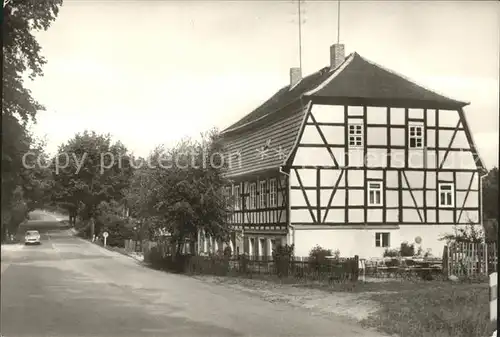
{"x":105,"y":235}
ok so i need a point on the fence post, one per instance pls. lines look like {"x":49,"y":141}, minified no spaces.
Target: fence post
{"x":486,"y":259}
{"x":451,"y":250}
{"x":356,"y":268}
{"x":445,"y":261}
{"x":493,"y":296}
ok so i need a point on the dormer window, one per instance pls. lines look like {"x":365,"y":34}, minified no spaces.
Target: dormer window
{"x":355,"y":135}
{"x":416,"y":136}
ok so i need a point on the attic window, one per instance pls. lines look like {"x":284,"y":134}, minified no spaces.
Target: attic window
{"x":355,"y":135}
{"x":416,"y":136}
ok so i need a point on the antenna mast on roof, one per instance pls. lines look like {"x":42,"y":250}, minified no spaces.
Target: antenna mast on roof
{"x":300,"y":35}
{"x":338,"y":21}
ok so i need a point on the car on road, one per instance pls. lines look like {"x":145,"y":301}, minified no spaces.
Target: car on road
{"x":32,"y":237}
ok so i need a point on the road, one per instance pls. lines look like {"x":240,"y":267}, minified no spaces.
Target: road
{"x":67,"y":287}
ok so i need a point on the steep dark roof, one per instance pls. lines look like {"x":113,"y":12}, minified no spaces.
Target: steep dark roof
{"x":247,"y":150}
{"x":355,"y":78}
{"x":364,"y":79}
{"x":283,"y":97}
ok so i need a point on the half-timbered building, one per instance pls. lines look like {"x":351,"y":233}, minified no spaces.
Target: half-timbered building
{"x":353,"y":157}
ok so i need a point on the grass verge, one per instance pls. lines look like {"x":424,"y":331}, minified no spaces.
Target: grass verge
{"x":433,"y":309}
{"x":399,"y":307}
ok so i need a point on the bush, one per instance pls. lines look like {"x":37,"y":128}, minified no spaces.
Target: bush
{"x":318,"y":258}
{"x":118,"y":233}
{"x":283,"y":257}
{"x":391,"y":253}
{"x":319,"y":253}
{"x":214,"y":265}
{"x":392,"y":263}
{"x":227,"y":251}
{"x":407,"y":249}
{"x":471,"y":233}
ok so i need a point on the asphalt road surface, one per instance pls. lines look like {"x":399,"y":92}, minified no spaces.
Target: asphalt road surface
{"x":67,"y":287}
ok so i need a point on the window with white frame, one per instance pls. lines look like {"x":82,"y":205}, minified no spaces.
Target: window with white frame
{"x":355,"y":135}
{"x":382,"y":239}
{"x":446,"y":195}
{"x":253,"y":196}
{"x":262,"y":194}
{"x":416,"y":136}
{"x":272,"y":193}
{"x":237,"y":197}
{"x":374,"y":193}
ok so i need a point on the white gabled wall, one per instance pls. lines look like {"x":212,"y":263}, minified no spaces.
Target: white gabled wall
{"x":386,"y":135}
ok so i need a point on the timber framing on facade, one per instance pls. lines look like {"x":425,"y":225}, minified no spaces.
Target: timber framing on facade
{"x":352,"y":146}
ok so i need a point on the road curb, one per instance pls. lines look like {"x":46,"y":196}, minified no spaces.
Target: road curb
{"x":106,"y":251}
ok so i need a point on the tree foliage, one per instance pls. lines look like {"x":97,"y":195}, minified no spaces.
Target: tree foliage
{"x":21,"y":53}
{"x":181,"y":190}
{"x":469,"y":233}
{"x":491,"y":204}
{"x":88,"y":170}
{"x":490,"y":194}
{"x":21,"y":57}
{"x":37,"y":177}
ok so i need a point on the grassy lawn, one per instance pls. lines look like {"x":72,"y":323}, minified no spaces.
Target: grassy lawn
{"x":432,"y":309}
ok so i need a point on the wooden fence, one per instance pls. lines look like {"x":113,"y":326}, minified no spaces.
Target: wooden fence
{"x":464,"y":259}
{"x":295,"y":267}
{"x":303,"y":268}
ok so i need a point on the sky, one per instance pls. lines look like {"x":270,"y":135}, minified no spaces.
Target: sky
{"x":152,"y":72}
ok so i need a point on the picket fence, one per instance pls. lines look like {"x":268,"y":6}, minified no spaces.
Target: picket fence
{"x":465,"y":259}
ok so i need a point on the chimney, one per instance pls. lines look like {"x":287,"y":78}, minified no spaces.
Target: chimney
{"x":337,"y":55}
{"x":295,"y":76}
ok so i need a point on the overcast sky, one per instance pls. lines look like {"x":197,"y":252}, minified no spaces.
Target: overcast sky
{"x":151,"y":72}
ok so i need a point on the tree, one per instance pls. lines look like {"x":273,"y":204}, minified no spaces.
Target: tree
{"x":490,"y":194}
{"x":37,"y":177}
{"x":15,"y":143}
{"x":109,"y":217}
{"x":182,"y":192}
{"x":491,"y":205}
{"x":88,"y":170}
{"x":21,"y":55}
